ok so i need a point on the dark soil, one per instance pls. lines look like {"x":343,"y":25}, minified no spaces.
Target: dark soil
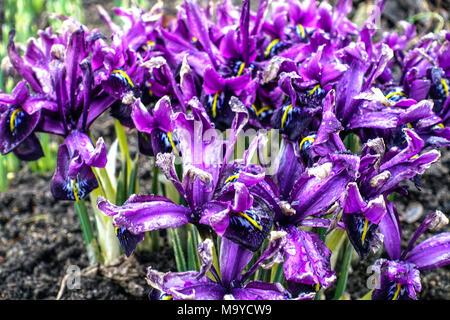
{"x":40,"y":237}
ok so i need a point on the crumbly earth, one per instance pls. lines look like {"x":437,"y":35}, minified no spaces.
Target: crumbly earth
{"x":40,"y":238}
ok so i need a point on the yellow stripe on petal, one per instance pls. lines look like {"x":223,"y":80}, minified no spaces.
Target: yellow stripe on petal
{"x":444,"y":84}
{"x":253,"y":222}
{"x":75,"y":190}
{"x":258,"y":113}
{"x":399,"y":286}
{"x":395,"y":93}
{"x":125,"y":75}
{"x":302,"y":30}
{"x":305,"y":139}
{"x":283,"y":120}
{"x":317,"y":86}
{"x":12,"y":120}
{"x":363,"y":237}
{"x":169,"y":134}
{"x":235,"y":176}
{"x":214,"y":106}
{"x":271,"y":45}
{"x":241,"y":69}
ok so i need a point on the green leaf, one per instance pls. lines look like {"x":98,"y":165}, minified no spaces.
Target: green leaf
{"x":178,"y":250}
{"x":277,"y":273}
{"x":88,"y":233}
{"x":110,"y":248}
{"x":123,"y":144}
{"x":343,"y":275}
{"x":191,"y":252}
{"x":4,"y":184}
{"x":133,"y":181}
{"x":334,"y":242}
{"x":121,"y":190}
{"x":367,"y":296}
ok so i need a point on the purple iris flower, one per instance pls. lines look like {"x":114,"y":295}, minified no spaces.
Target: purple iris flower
{"x":294,"y":25}
{"x":65,"y":103}
{"x":302,"y":202}
{"x":400,"y":275}
{"x":137,"y":64}
{"x":232,"y":284}
{"x":380,"y":173}
{"x":216,"y":192}
{"x":305,"y":89}
{"x":234,"y":75}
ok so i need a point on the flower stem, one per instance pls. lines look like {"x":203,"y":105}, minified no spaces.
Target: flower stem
{"x":277,"y":274}
{"x":109,"y":245}
{"x":92,"y":248}
{"x":343,"y":277}
{"x":3,"y":174}
{"x":178,"y":250}
{"x":123,"y":144}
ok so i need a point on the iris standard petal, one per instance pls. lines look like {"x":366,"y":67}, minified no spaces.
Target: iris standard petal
{"x":79,"y":143}
{"x":233,"y":259}
{"x":216,"y":215}
{"x":389,"y":227}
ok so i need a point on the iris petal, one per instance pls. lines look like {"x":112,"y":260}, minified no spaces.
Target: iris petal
{"x":250,"y":227}
{"x":15,"y":126}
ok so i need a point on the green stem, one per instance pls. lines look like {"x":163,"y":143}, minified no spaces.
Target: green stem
{"x":277,"y":273}
{"x":216,"y":261}
{"x":428,"y":15}
{"x":88,"y":233}
{"x":191,"y":252}
{"x":155,"y":180}
{"x":3,"y":174}
{"x":155,"y":236}
{"x":133,"y":186}
{"x":352,"y":142}
{"x":178,"y":251}
{"x":109,"y":244}
{"x":318,"y":294}
{"x":105,"y":183}
{"x":123,"y":144}
{"x":343,"y":277}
